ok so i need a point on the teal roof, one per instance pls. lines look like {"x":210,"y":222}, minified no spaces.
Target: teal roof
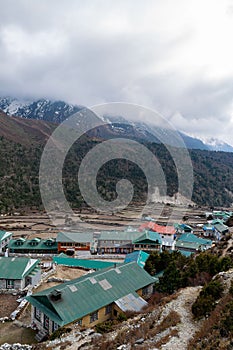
{"x":16,"y":268}
{"x":40,"y":244}
{"x":91,"y":292}
{"x":83,"y":263}
{"x":149,"y":237}
{"x":185,"y":252}
{"x":221,"y":228}
{"x":81,"y":237}
{"x":138,"y":256}
{"x":191,"y":238}
{"x":4,"y":235}
{"x":183,"y":227}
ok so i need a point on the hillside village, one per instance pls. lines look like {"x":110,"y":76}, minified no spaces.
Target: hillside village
{"x":77,"y":280}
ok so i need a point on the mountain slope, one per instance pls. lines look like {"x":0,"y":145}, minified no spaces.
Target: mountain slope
{"x":58,"y":111}
{"x":21,"y":147}
{"x":25,"y":131}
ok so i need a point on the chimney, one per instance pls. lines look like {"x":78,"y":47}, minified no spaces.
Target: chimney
{"x":55,"y":295}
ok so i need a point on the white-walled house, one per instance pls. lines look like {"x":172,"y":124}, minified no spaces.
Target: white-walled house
{"x":5,"y":237}
{"x":18,"y":273}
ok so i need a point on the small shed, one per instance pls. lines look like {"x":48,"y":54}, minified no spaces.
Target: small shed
{"x":18,"y":273}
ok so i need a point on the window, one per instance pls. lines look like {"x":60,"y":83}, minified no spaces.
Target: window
{"x":108,"y":309}
{"x":94,"y":316}
{"x":46,"y":322}
{"x":55,"y":326}
{"x":79,"y":322}
{"x":37,"y":314}
{"x":10,"y":284}
{"x":145,"y":290}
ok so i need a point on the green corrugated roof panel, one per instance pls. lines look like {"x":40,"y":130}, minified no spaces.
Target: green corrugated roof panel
{"x":91,"y":292}
{"x":83,"y":263}
{"x":149,"y":237}
{"x":26,"y":244}
{"x":191,"y":238}
{"x":221,"y":228}
{"x":16,"y":268}
{"x":81,"y":237}
{"x":120,"y":235}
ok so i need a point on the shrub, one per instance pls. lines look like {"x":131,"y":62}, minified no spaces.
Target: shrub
{"x":121,"y":317}
{"x":104,"y":327}
{"x":203,"y":306}
{"x":206,"y":301}
{"x":59,"y":332}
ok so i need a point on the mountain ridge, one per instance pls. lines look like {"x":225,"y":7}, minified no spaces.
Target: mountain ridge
{"x":58,"y":111}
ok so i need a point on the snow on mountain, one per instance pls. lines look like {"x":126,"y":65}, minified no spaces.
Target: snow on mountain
{"x":217,"y":145}
{"x":57,"y":111}
{"x":43,"y":109}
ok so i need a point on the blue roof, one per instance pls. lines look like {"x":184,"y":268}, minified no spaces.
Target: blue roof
{"x":139,"y":256}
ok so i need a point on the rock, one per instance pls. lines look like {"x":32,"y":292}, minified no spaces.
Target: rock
{"x":140,"y":341}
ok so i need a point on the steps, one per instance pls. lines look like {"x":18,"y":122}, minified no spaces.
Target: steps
{"x":41,"y":335}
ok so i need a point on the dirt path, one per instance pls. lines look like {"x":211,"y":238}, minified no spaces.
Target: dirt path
{"x":187,"y":327}
{"x":228,"y":246}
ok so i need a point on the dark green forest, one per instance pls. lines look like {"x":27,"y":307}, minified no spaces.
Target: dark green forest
{"x":19,"y":169}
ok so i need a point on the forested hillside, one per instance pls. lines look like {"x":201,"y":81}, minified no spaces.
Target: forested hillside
{"x":21,"y":146}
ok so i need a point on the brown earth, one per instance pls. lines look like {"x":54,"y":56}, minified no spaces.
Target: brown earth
{"x":8,"y":304}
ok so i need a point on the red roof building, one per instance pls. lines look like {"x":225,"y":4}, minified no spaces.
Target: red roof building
{"x":152,"y":226}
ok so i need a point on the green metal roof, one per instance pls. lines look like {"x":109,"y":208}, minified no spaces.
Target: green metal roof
{"x":91,"y":292}
{"x":26,"y":244}
{"x":81,"y":237}
{"x":149,"y":237}
{"x":191,"y":238}
{"x":4,"y":235}
{"x":139,"y":256}
{"x":16,"y":268}
{"x":83,"y":263}
{"x":120,"y":235}
{"x":221,"y":228}
{"x":185,"y":253}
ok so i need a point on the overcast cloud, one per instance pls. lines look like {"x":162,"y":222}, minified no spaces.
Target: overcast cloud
{"x":173,"y":56}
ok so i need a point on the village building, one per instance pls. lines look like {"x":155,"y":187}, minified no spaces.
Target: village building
{"x":149,"y":242}
{"x":167,"y":233}
{"x":92,"y":299}
{"x":183,"y":228}
{"x":220,"y":228}
{"x":209,"y":230}
{"x":71,"y":242}
{"x":34,"y":246}
{"x":4,"y":240}
{"x":18,"y":273}
{"x":188,"y":242}
{"x":115,"y":242}
{"x":138,"y":256}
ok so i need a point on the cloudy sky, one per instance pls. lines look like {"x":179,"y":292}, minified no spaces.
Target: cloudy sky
{"x":172,"y":56}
